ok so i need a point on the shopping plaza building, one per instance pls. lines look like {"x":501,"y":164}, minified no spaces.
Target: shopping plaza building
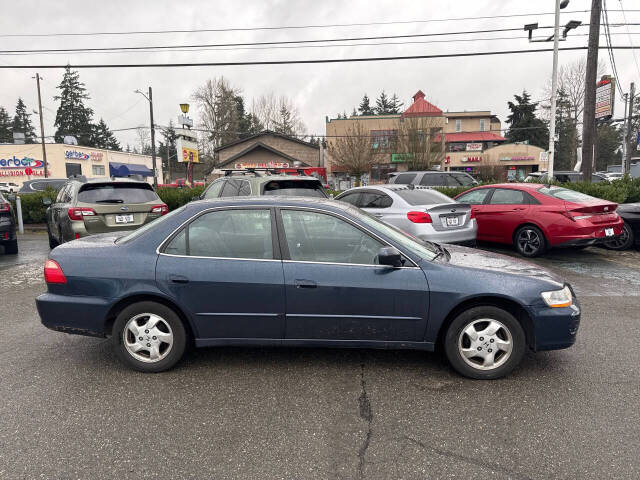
{"x":469,"y":141}
{"x":19,"y":163}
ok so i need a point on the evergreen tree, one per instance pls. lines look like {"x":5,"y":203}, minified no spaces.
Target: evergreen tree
{"x":524,"y":126}
{"x":22,"y":122}
{"x":395,"y":104}
{"x":609,"y":145}
{"x":354,"y":113}
{"x":564,"y":155}
{"x":365,"y":108}
{"x":283,"y":123}
{"x":128,"y":149}
{"x":383,"y":104}
{"x":248,"y":123}
{"x":5,"y":127}
{"x":313,"y":140}
{"x":167,"y":149}
{"x":102,"y":137}
{"x":73,"y":117}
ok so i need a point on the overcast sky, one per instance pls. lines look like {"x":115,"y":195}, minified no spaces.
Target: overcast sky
{"x":476,"y":83}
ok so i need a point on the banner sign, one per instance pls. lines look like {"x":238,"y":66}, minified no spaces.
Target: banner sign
{"x":240,"y":166}
{"x":471,"y":159}
{"x":517,"y":159}
{"x":187,"y":150}
{"x":605,"y":98}
{"x":24,"y":162}
{"x":474,"y":147}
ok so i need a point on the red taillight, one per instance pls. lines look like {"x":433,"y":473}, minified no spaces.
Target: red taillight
{"x":6,"y":236}
{"x":53,"y":273}
{"x":473,"y":214}
{"x":419,"y":217}
{"x":4,"y":207}
{"x":77,"y":213}
{"x":161,"y":209}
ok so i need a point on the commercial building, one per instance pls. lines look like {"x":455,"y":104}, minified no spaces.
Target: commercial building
{"x":19,"y":163}
{"x":464,"y":141}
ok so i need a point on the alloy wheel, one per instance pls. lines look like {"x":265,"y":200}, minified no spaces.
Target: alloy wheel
{"x":147,"y":337}
{"x":621,"y":241}
{"x":529,"y":241}
{"x":485,"y":344}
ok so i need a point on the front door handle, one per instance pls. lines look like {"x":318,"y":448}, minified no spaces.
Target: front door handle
{"x":178,"y":279}
{"x":300,"y":283}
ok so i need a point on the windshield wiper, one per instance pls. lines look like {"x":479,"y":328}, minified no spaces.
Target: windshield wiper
{"x":111,"y":200}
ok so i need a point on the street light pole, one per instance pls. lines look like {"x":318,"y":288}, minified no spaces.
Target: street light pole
{"x":554,"y":89}
{"x":153,"y":140}
{"x":44,"y":148}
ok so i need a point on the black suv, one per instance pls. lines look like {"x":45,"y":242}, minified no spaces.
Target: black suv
{"x":433,"y":178}
{"x":7,"y":227}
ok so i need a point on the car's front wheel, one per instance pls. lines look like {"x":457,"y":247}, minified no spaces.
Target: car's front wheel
{"x":484,"y":343}
{"x":149,"y":337}
{"x":11,"y":248}
{"x":530,"y":241}
{"x":623,"y":241}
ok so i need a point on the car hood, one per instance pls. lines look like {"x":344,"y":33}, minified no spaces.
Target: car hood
{"x":483,"y":260}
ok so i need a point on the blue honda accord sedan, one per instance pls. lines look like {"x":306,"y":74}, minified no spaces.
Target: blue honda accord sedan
{"x":303,"y":272}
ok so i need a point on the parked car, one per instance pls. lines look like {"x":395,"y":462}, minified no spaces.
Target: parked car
{"x":182,"y":183}
{"x":99,"y":206}
{"x":535,"y":217}
{"x":630,"y":236}
{"x":8,"y":238}
{"x":420,"y":211}
{"x":41,"y":184}
{"x":432,"y":178}
{"x":534,"y":176}
{"x":289,"y":271}
{"x":9,"y":187}
{"x":570,"y":176}
{"x":263,"y":183}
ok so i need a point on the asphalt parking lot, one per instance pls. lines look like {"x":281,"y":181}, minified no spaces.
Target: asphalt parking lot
{"x":69,"y":409}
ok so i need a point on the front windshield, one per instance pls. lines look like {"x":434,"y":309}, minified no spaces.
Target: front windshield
{"x":155,"y":223}
{"x":404,"y":240}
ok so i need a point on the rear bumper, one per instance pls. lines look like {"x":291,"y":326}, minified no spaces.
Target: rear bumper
{"x":466,"y":235}
{"x":7,"y":229}
{"x":556,"y":328}
{"x":595,"y":236}
{"x":76,"y":315}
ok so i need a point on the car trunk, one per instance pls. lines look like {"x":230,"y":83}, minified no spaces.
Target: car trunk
{"x":597,"y":211}
{"x":447,"y":216}
{"x":124,"y":206}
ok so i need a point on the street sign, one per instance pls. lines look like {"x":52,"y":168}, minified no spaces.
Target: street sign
{"x":605,"y":98}
{"x":187,"y":150}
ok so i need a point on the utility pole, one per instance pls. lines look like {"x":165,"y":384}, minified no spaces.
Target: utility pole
{"x":624,"y":133}
{"x":554,"y":90}
{"x":626,"y":165}
{"x":44,"y":149}
{"x":153,"y":140}
{"x":589,"y":120}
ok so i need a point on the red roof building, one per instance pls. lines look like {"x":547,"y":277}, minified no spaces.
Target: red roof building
{"x":421,"y":108}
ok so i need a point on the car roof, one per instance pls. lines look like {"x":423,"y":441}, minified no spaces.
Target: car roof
{"x":274,"y":201}
{"x":394,"y":187}
{"x":270,"y":178}
{"x":513,"y":186}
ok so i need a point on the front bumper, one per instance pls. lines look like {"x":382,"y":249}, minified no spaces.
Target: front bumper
{"x":76,"y":315}
{"x":555,"y":328}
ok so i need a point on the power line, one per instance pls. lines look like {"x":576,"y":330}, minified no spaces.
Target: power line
{"x":300,"y":61}
{"x":624,"y":16}
{"x":607,"y":32}
{"x":283,"y":27}
{"x":246,"y":44}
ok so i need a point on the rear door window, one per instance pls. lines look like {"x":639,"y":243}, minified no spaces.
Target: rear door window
{"x":117,"y":193}
{"x":374,"y":200}
{"x":351,"y":198}
{"x":405,"y":178}
{"x":433,"y":180}
{"x":230,"y":188}
{"x":244,"y":189}
{"x":296,"y":188}
{"x":463,"y":179}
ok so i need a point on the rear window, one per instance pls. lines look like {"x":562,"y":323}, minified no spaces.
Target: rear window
{"x":464,"y":179}
{"x":423,"y":197}
{"x":117,"y":193}
{"x":297,"y":188}
{"x":566,"y":194}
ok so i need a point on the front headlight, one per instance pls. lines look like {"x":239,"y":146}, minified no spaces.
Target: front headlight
{"x":558,"y":298}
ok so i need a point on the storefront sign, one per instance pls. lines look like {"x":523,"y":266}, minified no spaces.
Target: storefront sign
{"x":605,"y":97}
{"x":517,"y":159}
{"x":240,"y":166}
{"x":96,"y":156}
{"x":187,"y":150}
{"x":15,"y":162}
{"x":474,"y":147}
{"x":76,"y":155}
{"x":22,"y":173}
{"x":401,"y":157}
{"x":471,"y":159}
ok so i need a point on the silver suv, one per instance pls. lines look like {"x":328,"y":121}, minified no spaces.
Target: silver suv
{"x":433,"y":178}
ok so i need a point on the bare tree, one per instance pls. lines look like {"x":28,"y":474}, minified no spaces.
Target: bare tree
{"x":421,"y":140}
{"x":352,"y":151}
{"x":279,"y":114}
{"x":144,"y":139}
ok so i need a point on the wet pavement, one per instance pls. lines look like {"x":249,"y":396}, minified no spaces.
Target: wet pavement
{"x":68,"y":409}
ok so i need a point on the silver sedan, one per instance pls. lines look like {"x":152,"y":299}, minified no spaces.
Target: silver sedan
{"x":420,"y":211}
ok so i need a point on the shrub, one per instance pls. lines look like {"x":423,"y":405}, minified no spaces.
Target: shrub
{"x":33,"y":210}
{"x":177,"y":197}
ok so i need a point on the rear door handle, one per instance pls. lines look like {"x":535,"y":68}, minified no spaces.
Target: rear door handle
{"x":178,"y":279}
{"x":300,"y":283}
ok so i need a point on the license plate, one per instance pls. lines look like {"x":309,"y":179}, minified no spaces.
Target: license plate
{"x":608,"y":232}
{"x":452,"y":221}
{"x":124,"y":218}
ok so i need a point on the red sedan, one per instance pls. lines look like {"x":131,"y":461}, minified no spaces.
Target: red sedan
{"x":534,"y":217}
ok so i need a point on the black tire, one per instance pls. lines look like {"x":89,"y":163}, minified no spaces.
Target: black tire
{"x":53,"y":243}
{"x":623,"y":241}
{"x":510,"y":332}
{"x":11,"y":248}
{"x":142,"y":310}
{"x":530,"y":241}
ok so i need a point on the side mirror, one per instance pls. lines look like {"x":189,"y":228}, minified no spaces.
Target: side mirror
{"x":46,"y":201}
{"x":390,"y":256}
{"x":11,"y":197}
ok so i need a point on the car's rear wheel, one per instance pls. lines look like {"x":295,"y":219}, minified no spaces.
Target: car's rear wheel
{"x":530,"y":241}
{"x":11,"y":248}
{"x":53,"y":243}
{"x":623,"y":241}
{"x":484,"y":343}
{"x":149,"y":337}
